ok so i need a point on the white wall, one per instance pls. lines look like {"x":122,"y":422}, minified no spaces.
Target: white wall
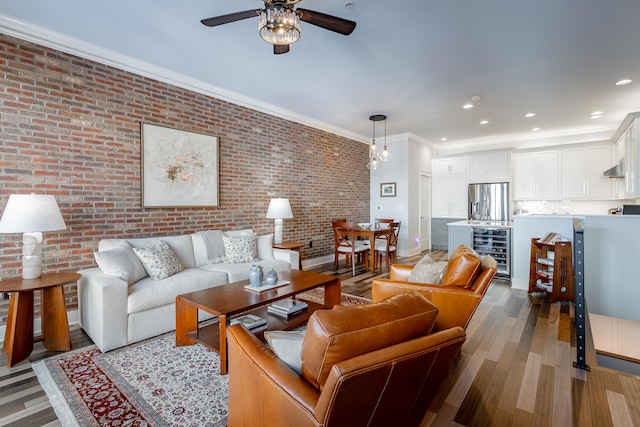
{"x":409,"y":155}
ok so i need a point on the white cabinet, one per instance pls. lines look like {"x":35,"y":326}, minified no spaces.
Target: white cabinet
{"x":459,"y":235}
{"x":631,"y":160}
{"x":450,"y":196}
{"x":536,"y":175}
{"x":490,"y":166}
{"x":450,"y":187}
{"x":582,"y":169}
{"x":450,"y":165}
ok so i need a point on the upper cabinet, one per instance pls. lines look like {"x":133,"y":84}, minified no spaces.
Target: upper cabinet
{"x":582,"y":169}
{"x":536,"y":175}
{"x":490,"y":166}
{"x":450,"y":165}
{"x":627,"y":151}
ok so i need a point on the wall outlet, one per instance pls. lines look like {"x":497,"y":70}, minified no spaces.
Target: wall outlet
{"x":5,"y":295}
{"x":310,"y":243}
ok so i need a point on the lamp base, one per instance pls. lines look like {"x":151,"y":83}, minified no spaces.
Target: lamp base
{"x":277,"y":235}
{"x":31,"y":255}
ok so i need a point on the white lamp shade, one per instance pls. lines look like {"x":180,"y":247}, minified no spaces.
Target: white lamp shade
{"x":28,"y":213}
{"x":279,"y":208}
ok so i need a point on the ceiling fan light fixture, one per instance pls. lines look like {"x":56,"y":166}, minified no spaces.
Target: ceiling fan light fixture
{"x":279,"y":25}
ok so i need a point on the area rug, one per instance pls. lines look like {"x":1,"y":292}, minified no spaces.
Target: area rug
{"x":150,"y":383}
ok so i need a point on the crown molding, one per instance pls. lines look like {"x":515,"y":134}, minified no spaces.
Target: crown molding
{"x":63,"y":43}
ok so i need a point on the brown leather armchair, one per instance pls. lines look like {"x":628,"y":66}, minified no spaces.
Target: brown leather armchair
{"x":464,"y":283}
{"x":364,"y":365}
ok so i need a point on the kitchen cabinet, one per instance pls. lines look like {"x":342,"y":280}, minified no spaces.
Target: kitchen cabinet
{"x":449,"y":199}
{"x":440,"y":232}
{"x":491,"y":166}
{"x":582,"y":169}
{"x":631,"y":161}
{"x":449,"y":196}
{"x":459,"y":235}
{"x":536,"y":175}
{"x":450,"y":165}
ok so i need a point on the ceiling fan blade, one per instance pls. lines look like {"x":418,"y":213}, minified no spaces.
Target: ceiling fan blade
{"x":232,"y":17}
{"x":328,"y":22}
{"x":280,"y":48}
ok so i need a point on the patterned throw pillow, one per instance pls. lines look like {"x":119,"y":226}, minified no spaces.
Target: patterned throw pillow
{"x":240,"y":248}
{"x":160,"y":261}
{"x":427,"y":271}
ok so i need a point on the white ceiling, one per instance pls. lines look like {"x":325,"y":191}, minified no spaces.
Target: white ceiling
{"x":417,"y":61}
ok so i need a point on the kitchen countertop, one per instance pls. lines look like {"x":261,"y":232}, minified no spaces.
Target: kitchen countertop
{"x":477,"y":223}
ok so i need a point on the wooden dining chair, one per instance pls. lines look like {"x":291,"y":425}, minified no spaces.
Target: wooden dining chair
{"x":345,"y":244}
{"x":387,"y":247}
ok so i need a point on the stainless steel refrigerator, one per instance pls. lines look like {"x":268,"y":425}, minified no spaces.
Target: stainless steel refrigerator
{"x":489,"y":202}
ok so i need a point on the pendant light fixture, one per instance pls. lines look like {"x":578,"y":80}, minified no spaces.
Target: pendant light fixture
{"x":377,"y":157}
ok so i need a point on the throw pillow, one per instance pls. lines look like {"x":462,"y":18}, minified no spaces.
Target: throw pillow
{"x":240,"y":248}
{"x":427,"y":271}
{"x":159,"y":260}
{"x":287,"y":345}
{"x":122,"y":263}
{"x":265,"y":246}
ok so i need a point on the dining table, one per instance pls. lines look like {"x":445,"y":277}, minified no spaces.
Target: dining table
{"x":371,"y":231}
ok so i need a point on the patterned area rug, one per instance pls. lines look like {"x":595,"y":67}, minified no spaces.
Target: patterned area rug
{"x":151,"y":383}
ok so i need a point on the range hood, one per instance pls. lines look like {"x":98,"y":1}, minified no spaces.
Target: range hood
{"x":615,"y":172}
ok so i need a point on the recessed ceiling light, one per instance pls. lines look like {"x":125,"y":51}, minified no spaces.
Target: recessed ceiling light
{"x":596,"y":114}
{"x":476,"y":98}
{"x":444,"y":139}
{"x":528,"y":115}
{"x":467,"y":106}
{"x":484,"y":122}
{"x":623,"y":82}
{"x":535,"y":129}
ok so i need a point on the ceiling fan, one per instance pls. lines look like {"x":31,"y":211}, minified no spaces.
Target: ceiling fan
{"x":279,"y":23}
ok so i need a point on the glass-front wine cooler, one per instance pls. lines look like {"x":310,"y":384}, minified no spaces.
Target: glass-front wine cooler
{"x":494,"y":241}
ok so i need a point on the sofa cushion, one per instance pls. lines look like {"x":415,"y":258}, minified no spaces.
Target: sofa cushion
{"x":265,"y":246}
{"x":348,"y":331}
{"x":463,"y":267}
{"x":121,"y":262}
{"x":240,"y":248}
{"x":159,"y":260}
{"x":208,"y":247}
{"x":427,"y":271}
{"x":182,"y":246}
{"x":147,"y":293}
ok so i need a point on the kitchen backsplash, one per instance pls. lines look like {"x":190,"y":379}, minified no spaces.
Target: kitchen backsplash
{"x":578,"y":207}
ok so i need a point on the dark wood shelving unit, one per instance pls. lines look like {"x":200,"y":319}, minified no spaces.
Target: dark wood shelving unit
{"x":555,"y":279}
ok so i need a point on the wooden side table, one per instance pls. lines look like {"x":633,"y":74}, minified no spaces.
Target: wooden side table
{"x":294,"y":246}
{"x":18,"y":337}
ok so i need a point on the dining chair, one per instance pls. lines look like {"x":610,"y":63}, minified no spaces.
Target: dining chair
{"x":387,"y":247}
{"x":383,"y":220}
{"x":345,"y":244}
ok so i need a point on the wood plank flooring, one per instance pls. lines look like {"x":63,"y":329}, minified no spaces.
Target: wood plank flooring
{"x":515,"y":369}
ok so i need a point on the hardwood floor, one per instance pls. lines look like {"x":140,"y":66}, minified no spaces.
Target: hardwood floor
{"x":515,"y":369}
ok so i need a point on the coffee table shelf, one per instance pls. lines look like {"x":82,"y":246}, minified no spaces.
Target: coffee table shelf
{"x":228,"y":301}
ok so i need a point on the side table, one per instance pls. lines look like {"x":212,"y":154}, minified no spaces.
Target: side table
{"x":18,"y":337}
{"x":295,"y":246}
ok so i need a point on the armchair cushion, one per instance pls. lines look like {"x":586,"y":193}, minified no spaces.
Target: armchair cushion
{"x":463,"y":267}
{"x":348,"y":331}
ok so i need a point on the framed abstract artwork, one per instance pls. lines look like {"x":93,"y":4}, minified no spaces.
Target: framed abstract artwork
{"x":179,"y":168}
{"x":388,"y":189}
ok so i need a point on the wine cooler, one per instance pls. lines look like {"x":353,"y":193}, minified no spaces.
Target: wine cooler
{"x":494,"y":241}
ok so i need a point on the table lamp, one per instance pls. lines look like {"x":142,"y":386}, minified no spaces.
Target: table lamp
{"x":279,"y":209}
{"x":31,"y":214}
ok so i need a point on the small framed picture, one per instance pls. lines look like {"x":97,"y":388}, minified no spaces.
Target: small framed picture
{"x":388,"y":189}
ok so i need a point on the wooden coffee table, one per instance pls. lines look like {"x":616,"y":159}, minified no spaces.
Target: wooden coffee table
{"x":226,"y":301}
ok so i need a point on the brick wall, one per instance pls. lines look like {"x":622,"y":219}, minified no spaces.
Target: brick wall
{"x":71,"y":127}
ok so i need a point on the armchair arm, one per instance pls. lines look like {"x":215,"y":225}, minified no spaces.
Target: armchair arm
{"x":455,"y":305}
{"x":400,"y":272}
{"x":262,"y":389}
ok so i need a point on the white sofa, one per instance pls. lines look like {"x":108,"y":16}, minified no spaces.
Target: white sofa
{"x":120,"y":304}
